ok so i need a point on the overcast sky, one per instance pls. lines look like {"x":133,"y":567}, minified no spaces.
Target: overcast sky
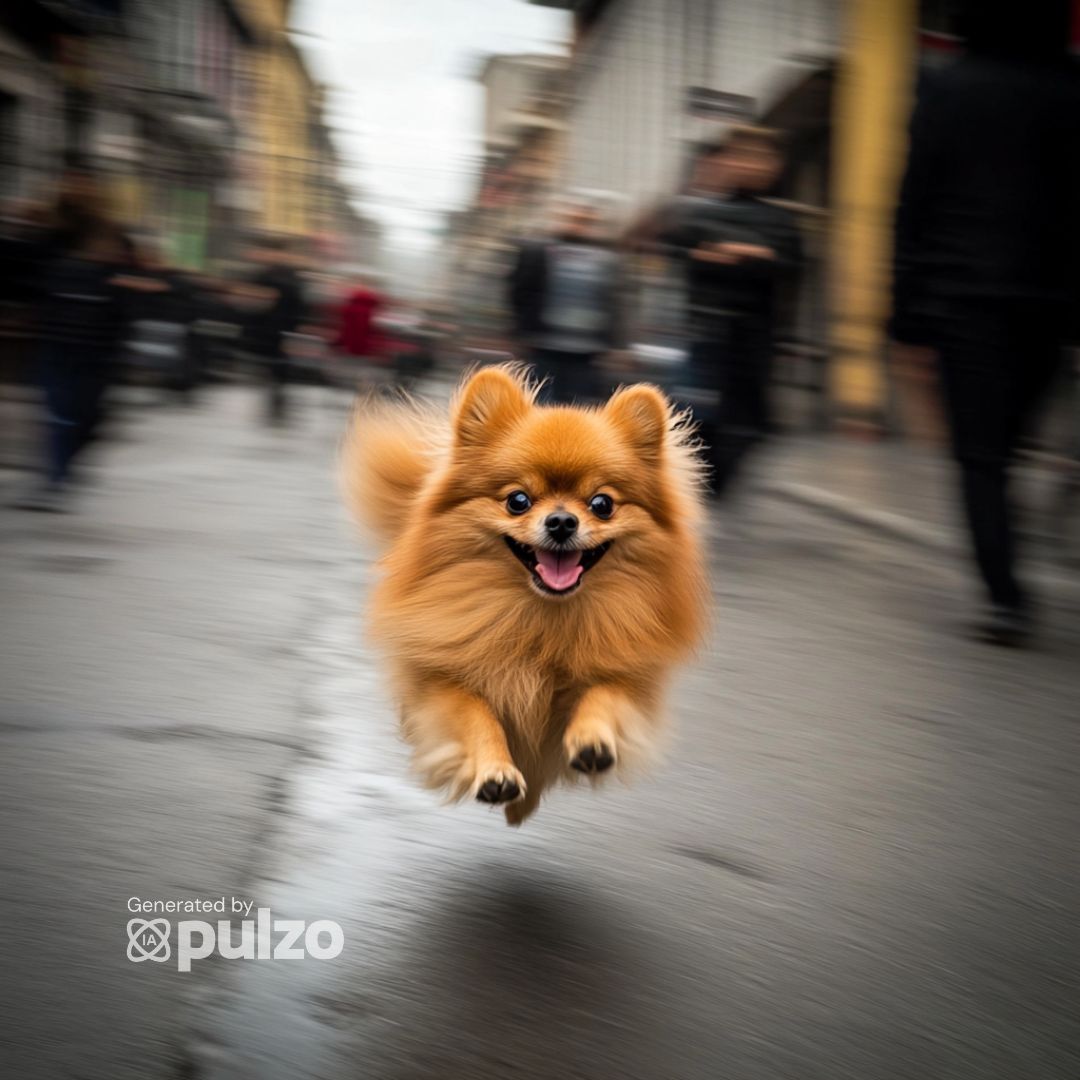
{"x":403,"y":99}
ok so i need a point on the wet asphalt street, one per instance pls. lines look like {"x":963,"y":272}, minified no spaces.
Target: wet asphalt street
{"x":859,"y":859}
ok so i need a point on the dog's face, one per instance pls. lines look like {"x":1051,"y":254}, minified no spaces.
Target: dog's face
{"x":567,"y":500}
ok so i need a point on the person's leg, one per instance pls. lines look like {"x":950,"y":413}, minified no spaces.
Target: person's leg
{"x":88,"y":409}
{"x":277,"y":371}
{"x":190,"y":365}
{"x":538,"y":361}
{"x":603,"y":379}
{"x":556,"y":371}
{"x":59,"y":450}
{"x":57,"y":376}
{"x":994,"y":373}
{"x":760,"y":355}
{"x":1036,"y":356}
{"x":703,"y":375}
{"x":730,"y":449}
{"x":984,"y":483}
{"x":580,"y":379}
{"x":976,"y":394}
{"x":744,"y":412}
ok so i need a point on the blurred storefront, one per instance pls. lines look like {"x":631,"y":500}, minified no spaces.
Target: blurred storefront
{"x":652,"y":78}
{"x":870,"y":105}
{"x":200,"y":116}
{"x":649,"y":80}
{"x":48,"y":88}
{"x":886,"y":44}
{"x":31,"y":104}
{"x":524,"y":100}
{"x":280,"y":188}
{"x":652,"y":81}
{"x":191,"y":61}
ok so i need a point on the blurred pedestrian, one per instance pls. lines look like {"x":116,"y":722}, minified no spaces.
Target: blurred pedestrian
{"x":212,"y":321}
{"x":737,"y":248}
{"x":80,"y":320}
{"x":986,"y":245}
{"x":23,"y":234}
{"x":161,"y":309}
{"x":278,"y":292}
{"x":565,"y":301}
{"x":359,"y":334}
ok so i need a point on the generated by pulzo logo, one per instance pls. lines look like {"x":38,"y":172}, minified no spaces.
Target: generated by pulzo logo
{"x":148,"y":939}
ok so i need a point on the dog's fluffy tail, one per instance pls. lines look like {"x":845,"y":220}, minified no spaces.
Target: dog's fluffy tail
{"x":389,"y":451}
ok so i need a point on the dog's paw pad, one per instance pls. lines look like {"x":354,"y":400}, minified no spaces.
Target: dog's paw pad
{"x":593,"y":759}
{"x":501,"y":787}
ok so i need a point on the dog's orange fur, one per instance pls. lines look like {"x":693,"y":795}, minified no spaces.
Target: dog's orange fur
{"x":497,"y":681}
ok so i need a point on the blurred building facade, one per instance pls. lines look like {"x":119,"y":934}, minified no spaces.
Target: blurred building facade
{"x":32,"y":100}
{"x":650,"y":80}
{"x":283,"y":114}
{"x":524,"y":102}
{"x":191,"y":92}
{"x":200,"y":115}
{"x":54,"y":101}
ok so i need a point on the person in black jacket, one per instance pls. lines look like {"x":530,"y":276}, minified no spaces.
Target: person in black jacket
{"x":279,"y":292}
{"x":737,"y":247}
{"x":986,"y":238}
{"x":565,"y":301}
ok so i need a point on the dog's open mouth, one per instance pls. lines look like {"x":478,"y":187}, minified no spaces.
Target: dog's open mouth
{"x":556,"y":572}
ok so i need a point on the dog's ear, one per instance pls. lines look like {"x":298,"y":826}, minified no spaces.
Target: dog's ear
{"x":490,"y":402}
{"x":642,"y":414}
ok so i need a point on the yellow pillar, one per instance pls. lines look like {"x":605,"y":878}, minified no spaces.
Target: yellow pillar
{"x":870,"y":110}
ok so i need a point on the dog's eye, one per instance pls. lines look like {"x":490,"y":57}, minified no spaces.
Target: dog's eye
{"x":602,"y":506}
{"x":517,"y":502}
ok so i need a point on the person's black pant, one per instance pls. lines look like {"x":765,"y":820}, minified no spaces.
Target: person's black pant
{"x":997,"y":362}
{"x":74,"y":379}
{"x":279,"y":374}
{"x":736,"y":363}
{"x":568,"y":377}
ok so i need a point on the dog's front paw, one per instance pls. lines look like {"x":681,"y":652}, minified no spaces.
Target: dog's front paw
{"x":594,"y":758}
{"x":503,"y":784}
{"x":589,"y":745}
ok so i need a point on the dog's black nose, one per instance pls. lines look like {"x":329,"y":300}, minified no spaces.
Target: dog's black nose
{"x":560,"y":526}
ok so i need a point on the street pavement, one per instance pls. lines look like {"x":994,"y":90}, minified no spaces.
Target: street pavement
{"x":858,"y":859}
{"x":908,"y":491}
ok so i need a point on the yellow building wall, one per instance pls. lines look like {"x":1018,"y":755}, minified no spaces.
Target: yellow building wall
{"x":870,"y":110}
{"x":281,"y":103}
{"x":284,"y":123}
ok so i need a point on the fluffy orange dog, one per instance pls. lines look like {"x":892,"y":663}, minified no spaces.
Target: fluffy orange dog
{"x":543,"y":574}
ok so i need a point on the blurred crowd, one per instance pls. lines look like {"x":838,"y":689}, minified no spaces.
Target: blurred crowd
{"x":735,"y":251}
{"x":86,"y":304}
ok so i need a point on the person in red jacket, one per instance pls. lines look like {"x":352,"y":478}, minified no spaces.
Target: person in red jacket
{"x":358,"y":334}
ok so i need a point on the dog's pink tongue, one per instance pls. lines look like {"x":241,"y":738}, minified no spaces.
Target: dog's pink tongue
{"x":558,"y":570}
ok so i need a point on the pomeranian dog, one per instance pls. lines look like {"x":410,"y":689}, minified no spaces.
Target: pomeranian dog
{"x":542,"y":574}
